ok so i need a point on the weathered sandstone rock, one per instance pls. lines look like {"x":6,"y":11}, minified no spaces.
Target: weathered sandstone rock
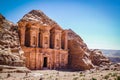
{"x":10,"y":50}
{"x":98,"y":58}
{"x":78,"y":56}
{"x":11,"y":69}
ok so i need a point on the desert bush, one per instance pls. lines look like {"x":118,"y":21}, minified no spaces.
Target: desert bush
{"x":75,"y":78}
{"x":94,"y":79}
{"x":118,"y":77}
{"x":64,"y":75}
{"x":114,"y":74}
{"x":73,"y":74}
{"x":83,"y":79}
{"x":106,"y":77}
{"x":110,"y":74}
{"x":50,"y":77}
{"x":81,"y":75}
{"x":56,"y":79}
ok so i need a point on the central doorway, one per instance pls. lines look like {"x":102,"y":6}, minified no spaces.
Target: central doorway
{"x":45,"y":62}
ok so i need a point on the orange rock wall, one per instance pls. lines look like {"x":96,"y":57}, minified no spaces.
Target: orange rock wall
{"x":55,"y":58}
{"x":44,"y":47}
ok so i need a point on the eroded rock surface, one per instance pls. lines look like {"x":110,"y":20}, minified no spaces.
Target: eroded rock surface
{"x":98,"y":58}
{"x":35,"y":17}
{"x":10,"y":50}
{"x":80,"y":56}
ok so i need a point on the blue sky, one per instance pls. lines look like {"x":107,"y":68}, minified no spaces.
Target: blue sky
{"x":96,"y":21}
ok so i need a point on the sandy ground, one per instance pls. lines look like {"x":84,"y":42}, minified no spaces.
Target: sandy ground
{"x":62,"y":75}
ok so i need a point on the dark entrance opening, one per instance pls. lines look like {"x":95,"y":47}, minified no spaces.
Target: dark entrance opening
{"x":45,"y":62}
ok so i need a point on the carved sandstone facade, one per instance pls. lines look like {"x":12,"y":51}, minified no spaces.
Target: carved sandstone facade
{"x":44,"y":46}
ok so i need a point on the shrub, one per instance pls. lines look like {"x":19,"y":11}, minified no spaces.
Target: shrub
{"x":110,"y":74}
{"x":73,"y":74}
{"x":81,"y":75}
{"x":83,"y":79}
{"x":75,"y":78}
{"x":106,"y":77}
{"x":114,"y":74}
{"x":94,"y":79}
{"x":56,"y":79}
{"x":118,"y":77}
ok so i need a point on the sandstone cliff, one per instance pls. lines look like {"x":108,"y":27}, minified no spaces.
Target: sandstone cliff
{"x":10,"y":50}
{"x":98,"y":58}
{"x":37,"y":17}
{"x":80,"y":56}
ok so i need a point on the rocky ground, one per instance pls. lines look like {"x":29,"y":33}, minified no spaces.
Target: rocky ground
{"x":62,"y":75}
{"x":111,"y":72}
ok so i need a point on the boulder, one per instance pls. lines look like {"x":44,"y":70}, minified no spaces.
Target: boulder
{"x":98,"y":58}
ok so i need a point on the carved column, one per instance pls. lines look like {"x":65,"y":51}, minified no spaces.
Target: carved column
{"x":37,"y":60}
{"x":56,"y":38}
{"x":66,"y":60}
{"x":45,"y":37}
{"x":65,"y":40}
{"x":34,"y":36}
{"x":21,"y":30}
{"x":41,"y":60}
{"x":22,"y":35}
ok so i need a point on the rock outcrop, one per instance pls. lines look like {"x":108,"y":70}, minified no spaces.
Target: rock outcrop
{"x":80,"y":56}
{"x":37,"y":17}
{"x":98,"y":58}
{"x":10,"y":50}
{"x":12,"y":69}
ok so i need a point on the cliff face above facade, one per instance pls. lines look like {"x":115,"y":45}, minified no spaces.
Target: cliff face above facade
{"x":10,"y":50}
{"x":37,"y":17}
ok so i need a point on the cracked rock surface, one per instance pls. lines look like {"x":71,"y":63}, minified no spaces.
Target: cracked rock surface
{"x":10,"y":50}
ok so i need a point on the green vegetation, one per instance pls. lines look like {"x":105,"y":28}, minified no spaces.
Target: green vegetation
{"x":94,"y":79}
{"x":118,"y":77}
{"x":106,"y":77}
{"x":81,"y":75}
{"x":76,"y":78}
{"x":83,"y":79}
{"x":110,"y":74}
{"x":114,"y":74}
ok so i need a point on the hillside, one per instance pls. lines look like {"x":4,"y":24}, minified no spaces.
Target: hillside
{"x":113,"y":55}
